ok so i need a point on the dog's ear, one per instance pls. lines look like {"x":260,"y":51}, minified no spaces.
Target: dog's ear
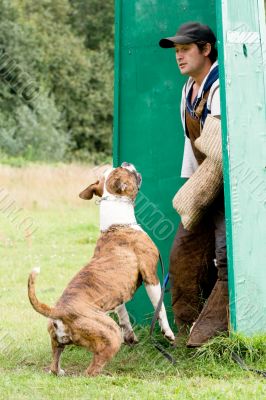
{"x":94,"y":189}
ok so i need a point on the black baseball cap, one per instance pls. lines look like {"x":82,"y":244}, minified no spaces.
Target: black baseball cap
{"x":191,"y":32}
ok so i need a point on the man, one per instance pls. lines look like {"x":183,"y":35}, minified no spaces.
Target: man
{"x":193,"y":275}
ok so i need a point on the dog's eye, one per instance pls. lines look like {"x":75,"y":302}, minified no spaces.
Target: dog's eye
{"x":55,"y":325}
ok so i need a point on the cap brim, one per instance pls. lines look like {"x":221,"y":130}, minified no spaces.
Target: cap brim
{"x":169,"y":42}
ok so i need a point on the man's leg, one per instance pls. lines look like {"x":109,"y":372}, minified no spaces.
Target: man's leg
{"x":214,"y":316}
{"x":192,"y":272}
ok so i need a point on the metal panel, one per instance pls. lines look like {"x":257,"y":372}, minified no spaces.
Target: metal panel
{"x":242,"y":50}
{"x":147,"y":126}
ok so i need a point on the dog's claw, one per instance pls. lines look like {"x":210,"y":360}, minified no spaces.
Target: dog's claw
{"x":169,"y":336}
{"x":130,"y":339}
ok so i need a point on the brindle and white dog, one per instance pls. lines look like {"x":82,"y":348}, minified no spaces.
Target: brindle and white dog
{"x":124,"y":257}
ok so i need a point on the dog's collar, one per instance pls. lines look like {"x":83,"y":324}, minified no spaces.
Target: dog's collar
{"x":120,"y":199}
{"x":115,"y":227}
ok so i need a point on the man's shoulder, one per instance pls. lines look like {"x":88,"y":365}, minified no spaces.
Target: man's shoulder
{"x":216,"y":84}
{"x":213,"y":102}
{"x":215,"y":88}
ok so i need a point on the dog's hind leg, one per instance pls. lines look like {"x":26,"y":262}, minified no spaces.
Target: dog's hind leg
{"x":57,"y":350}
{"x":154,"y":293}
{"x":129,"y":336}
{"x":100,"y":334}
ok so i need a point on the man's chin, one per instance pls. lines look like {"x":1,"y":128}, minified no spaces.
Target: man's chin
{"x":183,"y":72}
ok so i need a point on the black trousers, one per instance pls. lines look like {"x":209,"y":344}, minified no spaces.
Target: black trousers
{"x":192,"y":271}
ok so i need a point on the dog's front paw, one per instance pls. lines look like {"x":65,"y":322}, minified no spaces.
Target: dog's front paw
{"x":130,"y":338}
{"x":169,"y":335}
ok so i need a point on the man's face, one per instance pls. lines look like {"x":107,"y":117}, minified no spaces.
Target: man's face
{"x":189,"y":58}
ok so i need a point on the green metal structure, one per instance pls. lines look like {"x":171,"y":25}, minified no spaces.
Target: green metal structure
{"x":148,"y":131}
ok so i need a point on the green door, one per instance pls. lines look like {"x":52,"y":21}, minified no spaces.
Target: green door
{"x":147,"y":127}
{"x":242,"y":51}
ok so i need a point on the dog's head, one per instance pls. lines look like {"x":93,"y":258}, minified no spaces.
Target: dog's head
{"x":120,"y":181}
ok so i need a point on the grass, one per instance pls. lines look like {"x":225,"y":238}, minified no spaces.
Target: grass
{"x":62,"y":241}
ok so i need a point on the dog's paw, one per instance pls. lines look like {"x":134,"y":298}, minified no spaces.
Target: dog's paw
{"x":61,"y":372}
{"x":169,"y":335}
{"x":130,"y":338}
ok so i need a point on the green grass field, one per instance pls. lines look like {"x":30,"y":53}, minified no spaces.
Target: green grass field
{"x":60,"y":240}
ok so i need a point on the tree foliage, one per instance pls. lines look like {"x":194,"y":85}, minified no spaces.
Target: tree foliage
{"x":56,"y":72}
{"x":93,"y":20}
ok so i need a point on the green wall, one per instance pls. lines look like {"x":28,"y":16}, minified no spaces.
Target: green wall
{"x":147,"y":126}
{"x":243,"y":78}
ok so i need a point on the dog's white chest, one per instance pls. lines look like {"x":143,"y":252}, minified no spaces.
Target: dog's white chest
{"x":114,"y":212}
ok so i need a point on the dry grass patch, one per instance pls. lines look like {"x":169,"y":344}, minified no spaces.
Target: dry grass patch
{"x":44,"y":186}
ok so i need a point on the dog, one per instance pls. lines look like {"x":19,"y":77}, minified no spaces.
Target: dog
{"x":124,"y":257}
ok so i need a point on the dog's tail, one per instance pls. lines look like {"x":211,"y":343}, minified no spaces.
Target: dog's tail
{"x":36,"y":304}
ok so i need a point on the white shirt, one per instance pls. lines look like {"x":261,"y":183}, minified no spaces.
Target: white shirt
{"x":190,"y":163}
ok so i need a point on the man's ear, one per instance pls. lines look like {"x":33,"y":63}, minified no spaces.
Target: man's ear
{"x":207,"y":49}
{"x":94,"y":189}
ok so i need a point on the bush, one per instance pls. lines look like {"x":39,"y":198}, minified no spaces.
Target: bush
{"x":35,"y":135}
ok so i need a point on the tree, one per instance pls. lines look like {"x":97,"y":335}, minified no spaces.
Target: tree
{"x":93,"y":20}
{"x":60,"y":69}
